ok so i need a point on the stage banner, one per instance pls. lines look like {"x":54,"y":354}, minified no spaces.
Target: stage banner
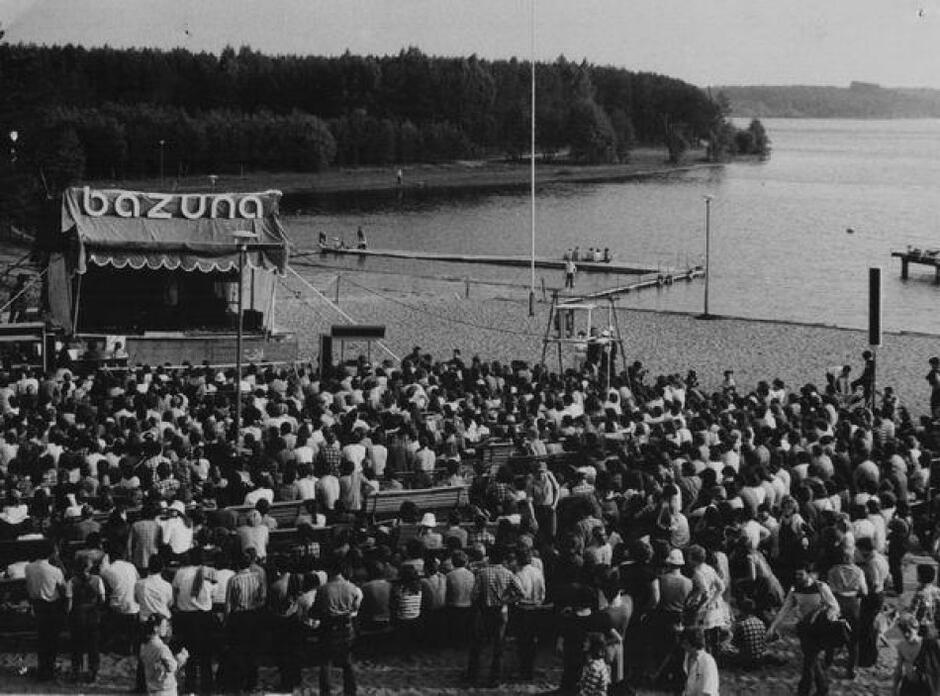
{"x":189,"y":231}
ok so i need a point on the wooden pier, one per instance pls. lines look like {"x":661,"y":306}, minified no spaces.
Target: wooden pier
{"x":924,"y":257}
{"x":661,"y":280}
{"x":631,"y":268}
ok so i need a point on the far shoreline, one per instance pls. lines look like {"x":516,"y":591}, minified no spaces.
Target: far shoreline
{"x":451,"y":178}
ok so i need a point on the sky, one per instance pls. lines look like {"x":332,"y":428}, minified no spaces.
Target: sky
{"x":705,"y":42}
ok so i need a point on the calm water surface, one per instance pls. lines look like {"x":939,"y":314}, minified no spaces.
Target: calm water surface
{"x":779,"y":249}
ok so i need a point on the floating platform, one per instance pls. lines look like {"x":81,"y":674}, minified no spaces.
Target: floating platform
{"x":633,"y":268}
{"x":924,"y":257}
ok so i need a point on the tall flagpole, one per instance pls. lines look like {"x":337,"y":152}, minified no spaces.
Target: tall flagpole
{"x":532,"y":171}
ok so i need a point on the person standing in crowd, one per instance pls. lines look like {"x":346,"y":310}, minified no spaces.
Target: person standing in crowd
{"x":528,"y":610}
{"x":700,"y":667}
{"x":847,"y":582}
{"x":193,"y":620}
{"x":245,"y":597}
{"x":875,"y":567}
{"x":933,"y":379}
{"x":120,"y":577}
{"x":46,"y":589}
{"x":160,"y":664}
{"x":495,"y":588}
{"x":810,"y":600}
{"x":86,"y":600}
{"x":337,"y":605}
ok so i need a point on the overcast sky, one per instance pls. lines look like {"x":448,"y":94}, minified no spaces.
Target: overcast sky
{"x":706,"y":42}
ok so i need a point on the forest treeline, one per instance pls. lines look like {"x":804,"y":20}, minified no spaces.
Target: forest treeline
{"x":858,"y":100}
{"x":105,"y":113}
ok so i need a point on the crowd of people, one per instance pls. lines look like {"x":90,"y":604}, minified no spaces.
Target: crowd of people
{"x":650,"y":530}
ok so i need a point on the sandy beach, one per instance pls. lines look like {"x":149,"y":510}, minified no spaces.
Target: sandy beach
{"x":494,"y":323}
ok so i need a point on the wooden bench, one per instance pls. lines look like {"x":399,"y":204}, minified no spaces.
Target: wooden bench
{"x":16,"y":550}
{"x":284,"y":513}
{"x":442,"y":499}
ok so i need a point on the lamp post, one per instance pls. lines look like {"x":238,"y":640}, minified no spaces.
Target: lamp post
{"x":162,"y":143}
{"x":708,"y":265}
{"x":14,"y":136}
{"x":242,"y":237}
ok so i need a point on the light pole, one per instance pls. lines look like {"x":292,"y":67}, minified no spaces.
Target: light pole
{"x":14,"y":136}
{"x":162,"y":143}
{"x":242,"y":237}
{"x":708,"y":265}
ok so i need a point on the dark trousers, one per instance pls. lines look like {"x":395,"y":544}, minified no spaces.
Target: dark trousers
{"x":287,"y":642}
{"x":196,"y":631}
{"x":244,"y":629}
{"x":569,"y":280}
{"x":489,"y":629}
{"x":50,"y":617}
{"x":850,"y":608}
{"x":868,"y":639}
{"x":814,"y":671}
{"x":528,"y":626}
{"x":547,"y":520}
{"x":459,"y":624}
{"x":338,"y":640}
{"x":124,"y":633}
{"x":84,"y":639}
{"x":896,"y":568}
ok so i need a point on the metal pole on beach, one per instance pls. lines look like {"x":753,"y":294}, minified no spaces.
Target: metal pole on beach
{"x":162,"y":142}
{"x":708,"y":264}
{"x":532,"y":171}
{"x":242,"y":238}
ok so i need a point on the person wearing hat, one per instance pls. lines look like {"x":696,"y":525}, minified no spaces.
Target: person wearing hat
{"x":670,"y":595}
{"x":427,"y":533}
{"x":933,"y":379}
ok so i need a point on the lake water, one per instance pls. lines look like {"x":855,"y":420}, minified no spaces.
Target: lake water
{"x":779,"y":246}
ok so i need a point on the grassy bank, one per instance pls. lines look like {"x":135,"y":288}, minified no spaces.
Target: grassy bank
{"x":461,"y":175}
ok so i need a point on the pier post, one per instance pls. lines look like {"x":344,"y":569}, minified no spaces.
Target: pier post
{"x":337,"y":289}
{"x":543,"y":288}
{"x":936,"y":277}
{"x":466,"y":288}
{"x":904,"y":263}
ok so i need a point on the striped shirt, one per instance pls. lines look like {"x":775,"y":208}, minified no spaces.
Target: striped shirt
{"x":246,"y":592}
{"x":408,"y":606}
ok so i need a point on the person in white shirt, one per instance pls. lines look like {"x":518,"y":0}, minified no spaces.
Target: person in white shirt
{"x":355,"y":452}
{"x":307,"y":483}
{"x":120,"y":578}
{"x":701,"y":668}
{"x":153,"y":594}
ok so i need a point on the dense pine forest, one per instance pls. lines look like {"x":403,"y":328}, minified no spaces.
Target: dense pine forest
{"x":119,"y":114}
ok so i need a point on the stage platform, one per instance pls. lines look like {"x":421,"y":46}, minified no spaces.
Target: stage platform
{"x":157,"y":348}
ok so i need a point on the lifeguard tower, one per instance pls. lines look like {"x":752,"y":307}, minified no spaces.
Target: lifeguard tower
{"x":571,"y":322}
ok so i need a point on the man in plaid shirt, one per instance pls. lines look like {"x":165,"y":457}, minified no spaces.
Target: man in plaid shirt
{"x":496,"y":587}
{"x":480,"y":534}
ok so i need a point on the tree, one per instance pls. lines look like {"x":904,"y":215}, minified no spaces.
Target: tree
{"x":590,"y":134}
{"x":676,"y":142}
{"x":761,"y":141}
{"x":61,"y":160}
